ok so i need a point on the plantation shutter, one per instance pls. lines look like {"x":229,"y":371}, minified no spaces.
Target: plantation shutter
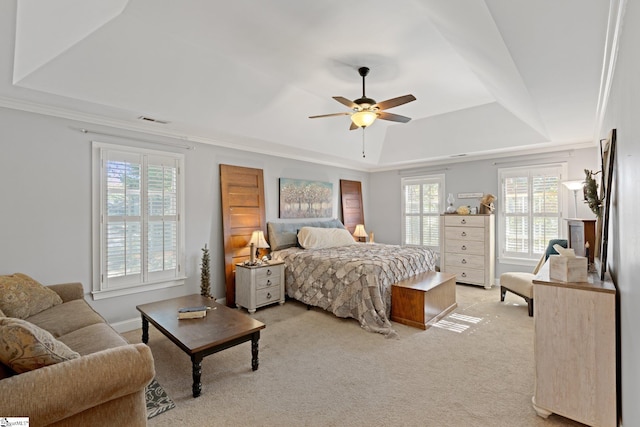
{"x":140,"y":218}
{"x":531,"y":210}
{"x":422,"y":205}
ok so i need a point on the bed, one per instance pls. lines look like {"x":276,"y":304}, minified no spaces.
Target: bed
{"x":346,"y":278}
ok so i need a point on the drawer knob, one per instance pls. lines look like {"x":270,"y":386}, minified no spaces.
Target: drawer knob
{"x":464,"y":274}
{"x":464,"y":261}
{"x":464,"y":221}
{"x":268,"y":282}
{"x":464,"y":234}
{"x":464,"y":248}
{"x":268,"y":272}
{"x":268,"y":295}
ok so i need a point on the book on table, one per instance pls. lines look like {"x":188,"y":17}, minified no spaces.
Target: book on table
{"x":193,"y":312}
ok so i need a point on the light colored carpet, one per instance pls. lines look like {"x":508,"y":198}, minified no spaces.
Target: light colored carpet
{"x":319,"y":370}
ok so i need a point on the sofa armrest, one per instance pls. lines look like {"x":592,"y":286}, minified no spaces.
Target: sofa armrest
{"x":68,"y":291}
{"x":48,"y":395}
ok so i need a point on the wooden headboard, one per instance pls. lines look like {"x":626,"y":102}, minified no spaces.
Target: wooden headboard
{"x":242,"y":193}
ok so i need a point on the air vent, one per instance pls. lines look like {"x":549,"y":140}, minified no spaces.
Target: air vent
{"x":151,"y":119}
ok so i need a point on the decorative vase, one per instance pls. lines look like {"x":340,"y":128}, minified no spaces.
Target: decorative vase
{"x":450,"y":200}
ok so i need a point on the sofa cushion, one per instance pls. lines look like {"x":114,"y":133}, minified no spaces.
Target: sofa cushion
{"x":93,"y":338}
{"x":25,"y":347}
{"x":67,"y":317}
{"x":21,"y":296}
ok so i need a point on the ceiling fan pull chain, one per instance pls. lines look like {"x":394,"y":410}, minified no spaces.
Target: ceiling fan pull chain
{"x":363,"y":156}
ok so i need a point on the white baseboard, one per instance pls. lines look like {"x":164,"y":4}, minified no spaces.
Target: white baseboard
{"x":136,"y":322}
{"x":127,"y":325}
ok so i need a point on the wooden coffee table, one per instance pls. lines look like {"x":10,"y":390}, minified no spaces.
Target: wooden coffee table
{"x":222,"y":328}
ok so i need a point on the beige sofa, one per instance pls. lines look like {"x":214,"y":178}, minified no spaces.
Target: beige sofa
{"x":103,"y":384}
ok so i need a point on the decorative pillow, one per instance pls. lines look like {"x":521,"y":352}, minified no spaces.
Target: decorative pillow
{"x":21,"y":296}
{"x":283,"y":235}
{"x":320,"y":238}
{"x":25,"y":347}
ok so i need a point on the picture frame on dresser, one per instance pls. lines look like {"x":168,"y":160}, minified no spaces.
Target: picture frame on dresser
{"x":608,"y":151}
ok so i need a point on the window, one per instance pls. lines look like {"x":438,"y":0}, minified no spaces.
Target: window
{"x":138,"y":201}
{"x":531,"y":210}
{"x":422,"y":204}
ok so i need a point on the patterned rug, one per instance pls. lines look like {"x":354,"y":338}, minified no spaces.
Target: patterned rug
{"x":157,"y":400}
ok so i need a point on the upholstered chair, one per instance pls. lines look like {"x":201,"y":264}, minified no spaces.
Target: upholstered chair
{"x":521,"y":284}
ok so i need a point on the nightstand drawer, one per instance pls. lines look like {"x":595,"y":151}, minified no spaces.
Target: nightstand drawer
{"x":265,"y":273}
{"x":268,"y":282}
{"x":267,"y":296}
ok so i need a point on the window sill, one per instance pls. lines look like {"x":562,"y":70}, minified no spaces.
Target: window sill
{"x":518,"y":261}
{"x":111,"y":293}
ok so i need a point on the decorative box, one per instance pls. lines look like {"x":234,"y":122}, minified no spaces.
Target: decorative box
{"x":568,"y":269}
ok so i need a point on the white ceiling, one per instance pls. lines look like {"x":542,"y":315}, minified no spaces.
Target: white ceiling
{"x":492,"y":76}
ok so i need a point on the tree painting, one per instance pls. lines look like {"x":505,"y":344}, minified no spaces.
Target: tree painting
{"x":305,"y":199}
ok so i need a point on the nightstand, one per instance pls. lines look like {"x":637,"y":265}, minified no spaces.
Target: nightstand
{"x":259,"y":285}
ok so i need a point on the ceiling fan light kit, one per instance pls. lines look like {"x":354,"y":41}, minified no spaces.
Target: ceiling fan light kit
{"x":366,"y":110}
{"x":363,"y":118}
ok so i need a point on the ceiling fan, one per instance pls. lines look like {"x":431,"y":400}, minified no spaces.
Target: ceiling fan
{"x":366,"y":110}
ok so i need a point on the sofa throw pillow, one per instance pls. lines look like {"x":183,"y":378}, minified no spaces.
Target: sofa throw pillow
{"x":21,"y":296}
{"x":25,"y":347}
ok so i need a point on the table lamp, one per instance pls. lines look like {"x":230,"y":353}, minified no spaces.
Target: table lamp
{"x":257,"y":241}
{"x":360,"y":232}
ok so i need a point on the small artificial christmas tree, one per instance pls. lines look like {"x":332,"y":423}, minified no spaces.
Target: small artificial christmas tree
{"x":205,"y":275}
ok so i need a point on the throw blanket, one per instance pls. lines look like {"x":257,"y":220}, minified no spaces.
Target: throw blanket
{"x":353,"y":281}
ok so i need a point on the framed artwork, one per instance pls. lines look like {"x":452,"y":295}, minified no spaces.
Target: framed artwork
{"x":607,"y":151}
{"x":300,"y":198}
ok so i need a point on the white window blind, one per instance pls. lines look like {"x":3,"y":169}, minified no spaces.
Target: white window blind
{"x":422,"y":204}
{"x":531,"y":210}
{"x":139,"y":199}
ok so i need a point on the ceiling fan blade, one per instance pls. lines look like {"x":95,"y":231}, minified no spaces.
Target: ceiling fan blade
{"x":353,"y":126}
{"x":394,"y":102}
{"x":344,"y":101}
{"x":392,"y":117}
{"x":331,"y":115}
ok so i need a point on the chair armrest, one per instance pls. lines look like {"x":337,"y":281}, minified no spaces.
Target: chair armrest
{"x":68,"y":291}
{"x":48,"y":395}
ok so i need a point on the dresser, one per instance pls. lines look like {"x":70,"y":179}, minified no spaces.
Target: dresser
{"x":259,"y":285}
{"x":467,"y":248}
{"x":575,"y":349}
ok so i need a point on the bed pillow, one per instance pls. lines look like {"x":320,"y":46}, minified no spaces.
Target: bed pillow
{"x":25,"y":347}
{"x":320,"y":238}
{"x":21,"y":296}
{"x":283,"y":235}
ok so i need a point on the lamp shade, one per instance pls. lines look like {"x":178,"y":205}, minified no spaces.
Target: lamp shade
{"x":363,"y":118}
{"x":573,"y":185}
{"x":360,"y":231}
{"x":258,"y":240}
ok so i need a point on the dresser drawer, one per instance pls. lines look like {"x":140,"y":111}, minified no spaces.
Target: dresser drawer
{"x":464,"y":233}
{"x":464,"y":220}
{"x":464,"y":247}
{"x":267,"y":295}
{"x":465,"y":261}
{"x":466,"y":275}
